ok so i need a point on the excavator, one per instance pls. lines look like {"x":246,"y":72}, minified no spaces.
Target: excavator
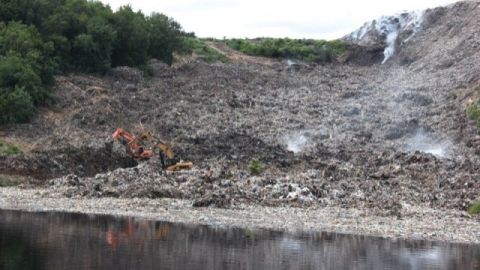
{"x":136,"y":147}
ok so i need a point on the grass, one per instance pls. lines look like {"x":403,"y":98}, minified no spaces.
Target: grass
{"x":8,"y":149}
{"x":320,"y":51}
{"x":11,"y":180}
{"x":473,"y":113}
{"x":474,"y":209}
{"x":205,"y":52}
{"x":255,"y":167}
{"x":473,"y":109}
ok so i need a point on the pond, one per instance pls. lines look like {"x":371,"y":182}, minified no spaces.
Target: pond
{"x":49,"y":240}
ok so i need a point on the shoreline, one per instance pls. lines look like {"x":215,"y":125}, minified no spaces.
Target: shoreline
{"x":417,"y":223}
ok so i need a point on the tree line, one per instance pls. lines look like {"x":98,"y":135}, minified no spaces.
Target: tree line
{"x":319,"y":51}
{"x":41,"y":38}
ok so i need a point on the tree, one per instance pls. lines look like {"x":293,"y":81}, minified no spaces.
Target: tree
{"x":15,"y":106}
{"x":165,"y":37}
{"x":17,"y":72}
{"x":39,"y":38}
{"x":25,"y":42}
{"x":132,"y":43}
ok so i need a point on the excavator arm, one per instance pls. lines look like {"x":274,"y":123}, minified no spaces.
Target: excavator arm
{"x":134,"y":146}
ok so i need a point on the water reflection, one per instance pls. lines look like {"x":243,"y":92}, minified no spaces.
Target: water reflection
{"x":74,"y":241}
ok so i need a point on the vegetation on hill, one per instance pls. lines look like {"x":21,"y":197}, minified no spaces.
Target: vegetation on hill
{"x":255,"y":167}
{"x":40,"y":38}
{"x":473,"y":109}
{"x":474,"y":209}
{"x":203,"y":51}
{"x":8,"y":149}
{"x":320,"y":51}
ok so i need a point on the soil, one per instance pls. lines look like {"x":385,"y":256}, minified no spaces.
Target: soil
{"x":354,"y":134}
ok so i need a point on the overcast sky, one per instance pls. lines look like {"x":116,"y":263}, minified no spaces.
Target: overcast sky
{"x":275,"y":18}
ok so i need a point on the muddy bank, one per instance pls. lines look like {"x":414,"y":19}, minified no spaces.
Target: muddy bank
{"x":451,"y":226}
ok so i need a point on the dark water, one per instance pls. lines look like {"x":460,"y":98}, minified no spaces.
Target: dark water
{"x":74,"y":241}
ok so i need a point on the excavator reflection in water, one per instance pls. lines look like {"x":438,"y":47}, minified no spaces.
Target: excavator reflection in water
{"x":136,"y":147}
{"x":140,"y":232}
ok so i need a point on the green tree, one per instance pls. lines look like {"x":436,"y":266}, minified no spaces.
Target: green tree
{"x":25,"y":42}
{"x":39,"y":38}
{"x":17,"y":72}
{"x":132,"y":43}
{"x":83,"y":35}
{"x":165,"y":37}
{"x":15,"y":106}
{"x":94,"y":48}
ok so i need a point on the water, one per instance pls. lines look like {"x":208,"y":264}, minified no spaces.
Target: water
{"x":74,"y":241}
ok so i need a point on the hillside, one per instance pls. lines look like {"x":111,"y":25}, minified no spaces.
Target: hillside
{"x":357,"y":133}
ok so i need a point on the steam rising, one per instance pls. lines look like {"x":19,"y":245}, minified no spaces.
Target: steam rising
{"x":389,"y":28}
{"x":296,"y":143}
{"x":424,"y":143}
{"x":391,"y":39}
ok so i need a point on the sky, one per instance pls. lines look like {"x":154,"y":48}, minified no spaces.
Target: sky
{"x":319,"y":19}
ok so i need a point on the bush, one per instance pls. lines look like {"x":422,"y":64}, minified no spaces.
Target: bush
{"x":166,"y":37}
{"x":25,"y":72}
{"x":25,"y":42}
{"x":320,"y":51}
{"x":255,"y":166}
{"x":203,"y":51}
{"x":16,"y":106}
{"x":474,"y":209}
{"x":8,"y":149}
{"x":473,"y":113}
{"x":132,"y":43}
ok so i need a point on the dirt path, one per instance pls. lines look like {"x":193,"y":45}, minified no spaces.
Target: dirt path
{"x":239,"y":57}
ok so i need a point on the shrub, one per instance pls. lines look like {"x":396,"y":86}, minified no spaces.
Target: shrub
{"x":16,"y":106}
{"x":8,"y":149}
{"x":25,"y":42}
{"x":320,"y":51}
{"x":19,"y":72}
{"x":474,"y":209}
{"x":166,"y":37}
{"x":25,"y":72}
{"x":473,"y":113}
{"x":255,"y":166}
{"x":203,"y":51}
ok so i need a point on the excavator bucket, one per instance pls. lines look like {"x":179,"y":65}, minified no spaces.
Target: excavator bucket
{"x":180,"y":166}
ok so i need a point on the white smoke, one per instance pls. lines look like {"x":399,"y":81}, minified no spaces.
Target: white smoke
{"x":390,"y":27}
{"x":296,"y":142}
{"x":424,"y":143}
{"x":392,"y":34}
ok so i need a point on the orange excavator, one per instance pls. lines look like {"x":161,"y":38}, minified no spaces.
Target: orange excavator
{"x":136,"y":147}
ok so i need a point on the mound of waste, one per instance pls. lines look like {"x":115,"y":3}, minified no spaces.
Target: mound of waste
{"x":356,"y":133}
{"x":392,"y":181}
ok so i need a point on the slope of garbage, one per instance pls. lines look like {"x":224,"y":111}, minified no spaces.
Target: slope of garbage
{"x":380,"y":133}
